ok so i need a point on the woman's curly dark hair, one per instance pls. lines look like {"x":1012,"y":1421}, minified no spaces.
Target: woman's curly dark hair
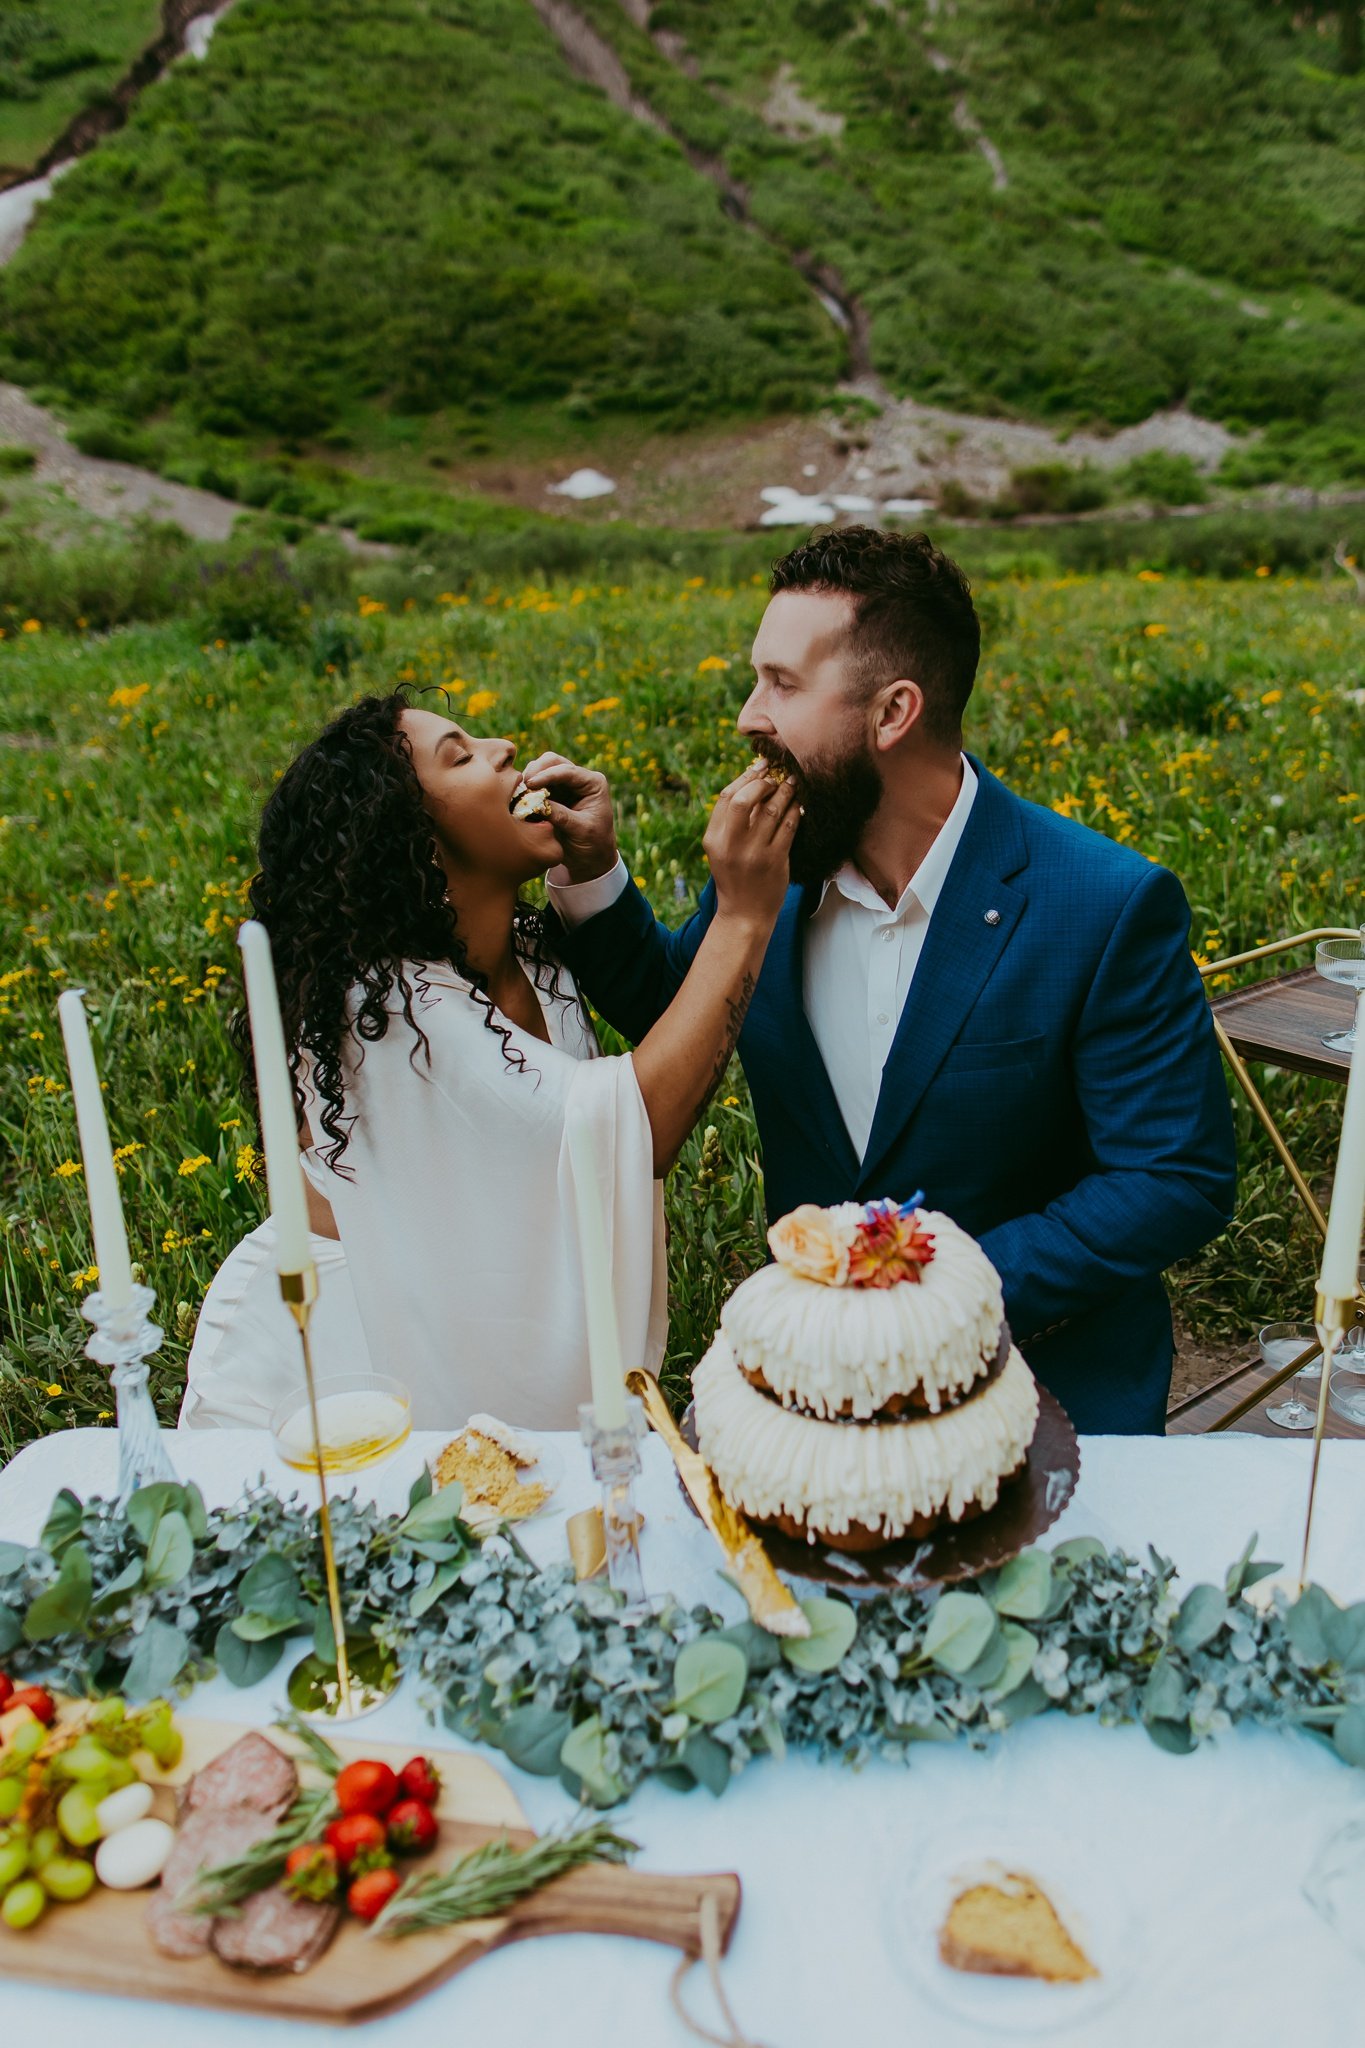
{"x":349,"y":888}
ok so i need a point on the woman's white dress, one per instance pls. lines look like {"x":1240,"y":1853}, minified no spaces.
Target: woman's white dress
{"x":458,"y":1268}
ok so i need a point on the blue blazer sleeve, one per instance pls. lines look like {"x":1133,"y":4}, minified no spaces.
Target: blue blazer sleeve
{"x":1150,"y":1088}
{"x":629,"y":965}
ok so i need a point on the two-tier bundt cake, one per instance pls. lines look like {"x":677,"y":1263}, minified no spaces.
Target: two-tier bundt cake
{"x":864,"y":1388}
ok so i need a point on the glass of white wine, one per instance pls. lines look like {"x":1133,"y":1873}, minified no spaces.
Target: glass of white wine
{"x":362,"y":1419}
{"x":1342,"y":960}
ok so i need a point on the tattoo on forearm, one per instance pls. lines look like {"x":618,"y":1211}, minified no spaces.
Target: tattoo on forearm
{"x":738,"y":1007}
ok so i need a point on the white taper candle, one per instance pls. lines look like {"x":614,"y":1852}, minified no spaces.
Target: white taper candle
{"x":1339,"y":1278}
{"x":101,"y":1178}
{"x":275,"y":1098}
{"x":604,"y":1336}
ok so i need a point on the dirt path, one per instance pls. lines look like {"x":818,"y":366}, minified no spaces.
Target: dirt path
{"x":109,"y":490}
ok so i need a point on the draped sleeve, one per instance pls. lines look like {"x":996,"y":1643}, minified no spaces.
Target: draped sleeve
{"x":455,"y":1205}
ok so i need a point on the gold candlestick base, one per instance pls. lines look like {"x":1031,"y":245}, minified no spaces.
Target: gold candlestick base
{"x":358,"y":1680}
{"x":1333,"y":1314}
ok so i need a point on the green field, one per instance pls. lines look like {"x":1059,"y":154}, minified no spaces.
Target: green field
{"x":1207,"y":723}
{"x":58,"y":57}
{"x":397,"y":235}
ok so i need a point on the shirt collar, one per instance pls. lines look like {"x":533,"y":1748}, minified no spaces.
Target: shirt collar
{"x":926,"y":884}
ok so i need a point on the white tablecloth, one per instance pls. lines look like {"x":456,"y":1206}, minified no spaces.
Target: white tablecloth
{"x":1209,"y":1850}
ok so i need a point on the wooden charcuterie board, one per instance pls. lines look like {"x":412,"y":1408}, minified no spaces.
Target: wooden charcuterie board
{"x":101,"y":1944}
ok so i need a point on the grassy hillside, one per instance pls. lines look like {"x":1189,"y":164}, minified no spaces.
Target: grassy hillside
{"x":386,"y":235}
{"x":1207,"y":724}
{"x":56,"y":58}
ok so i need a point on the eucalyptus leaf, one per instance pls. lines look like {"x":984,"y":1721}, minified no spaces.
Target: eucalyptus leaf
{"x":990,"y":1665}
{"x":1024,"y":1586}
{"x":128,"y":1581}
{"x":271,"y":1587}
{"x":533,"y":1737}
{"x":12,"y":1559}
{"x":196,"y":1514}
{"x":1078,"y":1550}
{"x":427,"y":1596}
{"x":1244,"y":1573}
{"x":1173,"y":1736}
{"x":1023,"y":1702}
{"x":960,"y":1627}
{"x":62,"y":1607}
{"x":1308,"y":1625}
{"x":243,"y":1663}
{"x":1345,"y":1633}
{"x":259,"y":1628}
{"x":1348,"y":1737}
{"x":1165,"y":1694}
{"x":1021,"y":1647}
{"x":171,"y":1550}
{"x":762,"y":1650}
{"x":324,"y":1635}
{"x":159,"y":1656}
{"x":434,"y":1516}
{"x":583,"y":1752}
{"x":421,"y":1487}
{"x":1202,"y":1613}
{"x":150,"y":1503}
{"x":11,"y":1631}
{"x":709,"y":1679}
{"x":833,"y":1625}
{"x":63,"y":1524}
{"x":708,"y":1761}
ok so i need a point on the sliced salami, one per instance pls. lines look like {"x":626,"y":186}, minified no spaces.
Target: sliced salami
{"x":204,"y":1840}
{"x":275,"y":1932}
{"x":251,"y":1773}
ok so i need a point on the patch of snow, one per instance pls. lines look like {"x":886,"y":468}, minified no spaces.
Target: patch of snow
{"x":907,"y":508}
{"x":787,"y":507}
{"x":19,"y":204}
{"x":810,"y":470}
{"x":844,"y":502}
{"x":199,"y":32}
{"x":584,"y":483}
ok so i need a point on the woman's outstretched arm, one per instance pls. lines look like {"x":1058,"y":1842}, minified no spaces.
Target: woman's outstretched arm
{"x":680,"y":1063}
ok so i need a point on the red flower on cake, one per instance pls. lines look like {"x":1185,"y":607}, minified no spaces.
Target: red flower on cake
{"x":888,"y":1246}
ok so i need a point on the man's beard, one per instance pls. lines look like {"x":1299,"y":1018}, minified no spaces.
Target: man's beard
{"x":838,"y":798}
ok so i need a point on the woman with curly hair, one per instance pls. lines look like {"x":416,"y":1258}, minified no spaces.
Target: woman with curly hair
{"x":438,"y":1049}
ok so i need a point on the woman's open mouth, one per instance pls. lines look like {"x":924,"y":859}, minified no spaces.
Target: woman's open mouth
{"x":531,"y":806}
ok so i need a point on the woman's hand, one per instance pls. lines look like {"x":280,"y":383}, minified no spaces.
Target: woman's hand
{"x":748,"y":845}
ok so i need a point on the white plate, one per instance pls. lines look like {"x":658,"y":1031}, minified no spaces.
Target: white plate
{"x":1087,"y":1891}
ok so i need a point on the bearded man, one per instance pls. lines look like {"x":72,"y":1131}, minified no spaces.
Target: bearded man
{"x":965,"y":993}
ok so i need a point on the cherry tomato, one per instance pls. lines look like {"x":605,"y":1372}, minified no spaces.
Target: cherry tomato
{"x":366,"y":1787}
{"x":6,"y":1690}
{"x":39,"y":1702}
{"x":311,"y":1871}
{"x":413,"y":1827}
{"x":419,"y":1779}
{"x":353,"y":1835}
{"x":369,"y":1895}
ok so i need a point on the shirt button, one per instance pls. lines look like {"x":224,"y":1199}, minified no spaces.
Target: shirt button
{"x":888,"y":935}
{"x":882,"y":1017}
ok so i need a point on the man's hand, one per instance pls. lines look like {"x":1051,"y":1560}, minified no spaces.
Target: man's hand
{"x":580,"y":805}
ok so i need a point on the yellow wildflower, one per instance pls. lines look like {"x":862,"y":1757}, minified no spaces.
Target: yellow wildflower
{"x":1150,"y":576}
{"x":1061,"y":736}
{"x":67,"y":1168}
{"x":539,"y":717}
{"x":189,"y":1166}
{"x":602,"y":704}
{"x":249,"y":1163}
{"x":55,"y":1392}
{"x":1272,"y":696}
{"x":481,"y":701}
{"x":1154,"y":631}
{"x":130,"y":697}
{"x":712,"y":661}
{"x":34,"y":626}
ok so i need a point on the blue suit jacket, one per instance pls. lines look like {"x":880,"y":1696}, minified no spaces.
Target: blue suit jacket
{"x":1054,"y":1085}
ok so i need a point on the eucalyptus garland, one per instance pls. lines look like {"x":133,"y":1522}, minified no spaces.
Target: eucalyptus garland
{"x":154,"y":1597}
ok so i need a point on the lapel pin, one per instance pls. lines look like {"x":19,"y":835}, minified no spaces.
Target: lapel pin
{"x":992,"y":917}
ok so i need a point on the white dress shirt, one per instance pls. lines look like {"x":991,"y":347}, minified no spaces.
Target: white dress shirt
{"x":860,"y":959}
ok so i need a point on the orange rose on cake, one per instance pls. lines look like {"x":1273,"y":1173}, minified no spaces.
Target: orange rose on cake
{"x":815,"y":1243}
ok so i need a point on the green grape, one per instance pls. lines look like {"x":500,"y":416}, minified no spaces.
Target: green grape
{"x":27,"y":1739}
{"x":76,"y":1817}
{"x":165,"y":1747}
{"x":108,"y":1713}
{"x":13,"y":1860}
{"x":23,"y":1903}
{"x":45,"y":1845}
{"x":122,"y":1771}
{"x":68,"y":1878}
{"x":11,"y":1796}
{"x":85,"y":1760}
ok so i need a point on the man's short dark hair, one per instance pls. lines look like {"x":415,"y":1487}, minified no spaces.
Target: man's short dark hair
{"x":914,"y":616}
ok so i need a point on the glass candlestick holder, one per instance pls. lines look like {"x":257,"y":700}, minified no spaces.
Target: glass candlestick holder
{"x":615,"y":1455}
{"x":124,"y":1340}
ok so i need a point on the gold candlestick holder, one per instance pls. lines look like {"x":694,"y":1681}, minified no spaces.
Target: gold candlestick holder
{"x":1334,"y":1315}
{"x":320,"y":1690}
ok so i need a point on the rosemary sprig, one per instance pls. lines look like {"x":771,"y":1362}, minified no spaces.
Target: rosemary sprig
{"x":225,"y":1886}
{"x":489,"y":1880}
{"x":320,"y":1750}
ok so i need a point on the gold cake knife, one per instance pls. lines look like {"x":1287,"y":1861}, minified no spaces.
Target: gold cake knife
{"x":771,"y":1603}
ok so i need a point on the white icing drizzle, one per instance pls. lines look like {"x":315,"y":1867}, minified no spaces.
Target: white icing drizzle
{"x":825,"y":1347}
{"x":771,"y":1462}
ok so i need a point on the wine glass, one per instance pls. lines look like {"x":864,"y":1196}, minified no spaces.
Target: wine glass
{"x":1280,"y":1344}
{"x":1342,"y":960}
{"x":362,"y":1419}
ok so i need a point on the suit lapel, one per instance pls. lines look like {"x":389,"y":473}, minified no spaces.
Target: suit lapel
{"x":807,"y":1078}
{"x":961,"y":949}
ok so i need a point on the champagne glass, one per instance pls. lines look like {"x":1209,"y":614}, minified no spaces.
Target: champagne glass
{"x":1342,"y":960}
{"x":362,"y":1419}
{"x":1280,"y":1344}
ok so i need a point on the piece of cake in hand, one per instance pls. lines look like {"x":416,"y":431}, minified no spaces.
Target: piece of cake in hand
{"x":1009,"y":1927}
{"x":864,"y":1388}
